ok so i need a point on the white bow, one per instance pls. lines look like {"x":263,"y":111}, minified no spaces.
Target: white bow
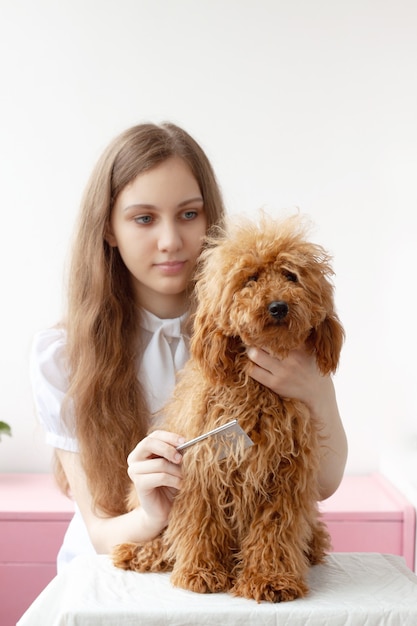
{"x":165,"y":353}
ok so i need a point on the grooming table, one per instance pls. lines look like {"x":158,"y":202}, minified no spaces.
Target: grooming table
{"x":350,"y":589}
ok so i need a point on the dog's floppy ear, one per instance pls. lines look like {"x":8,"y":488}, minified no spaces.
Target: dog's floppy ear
{"x":326,"y":341}
{"x":214,"y":352}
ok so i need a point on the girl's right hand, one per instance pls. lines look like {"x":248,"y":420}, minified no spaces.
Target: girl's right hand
{"x":154,"y":467}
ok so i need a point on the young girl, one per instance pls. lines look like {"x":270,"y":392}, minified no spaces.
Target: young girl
{"x":100,"y":376}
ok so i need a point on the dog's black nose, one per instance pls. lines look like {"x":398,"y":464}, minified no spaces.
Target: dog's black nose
{"x":278,"y":309}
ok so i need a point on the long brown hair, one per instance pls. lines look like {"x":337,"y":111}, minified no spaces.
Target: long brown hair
{"x":104,"y":393}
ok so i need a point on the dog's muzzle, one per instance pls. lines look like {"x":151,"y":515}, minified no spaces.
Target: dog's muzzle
{"x":278,"y":309}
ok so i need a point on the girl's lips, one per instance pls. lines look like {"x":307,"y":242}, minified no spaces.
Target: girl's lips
{"x":171,"y":267}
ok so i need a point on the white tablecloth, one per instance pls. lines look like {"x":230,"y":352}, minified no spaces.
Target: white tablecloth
{"x":350,"y":589}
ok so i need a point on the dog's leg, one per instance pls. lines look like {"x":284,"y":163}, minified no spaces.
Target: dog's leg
{"x":202,"y":542}
{"x":273,"y":563}
{"x":143,"y":557}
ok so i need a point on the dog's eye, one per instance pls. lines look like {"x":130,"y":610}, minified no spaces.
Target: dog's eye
{"x":252,"y":279}
{"x":291,"y":276}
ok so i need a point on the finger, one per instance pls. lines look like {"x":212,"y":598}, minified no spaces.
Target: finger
{"x":165,"y":435}
{"x":153,"y":482}
{"x":263,"y":376}
{"x":156,"y":465}
{"x":159,"y":444}
{"x":263,"y":359}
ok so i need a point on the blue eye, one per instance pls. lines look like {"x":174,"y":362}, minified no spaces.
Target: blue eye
{"x":143,"y":219}
{"x":190,"y":215}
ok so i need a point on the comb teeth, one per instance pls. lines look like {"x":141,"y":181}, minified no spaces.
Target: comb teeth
{"x":230,"y":440}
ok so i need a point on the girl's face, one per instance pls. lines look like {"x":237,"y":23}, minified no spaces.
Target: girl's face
{"x":157,"y":223}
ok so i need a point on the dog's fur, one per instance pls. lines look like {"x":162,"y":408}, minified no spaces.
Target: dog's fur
{"x":248,"y":523}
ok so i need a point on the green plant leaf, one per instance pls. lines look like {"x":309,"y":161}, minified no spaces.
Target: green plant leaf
{"x":5,"y":429}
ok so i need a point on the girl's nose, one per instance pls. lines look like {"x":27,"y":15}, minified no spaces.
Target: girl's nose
{"x":169,"y":239}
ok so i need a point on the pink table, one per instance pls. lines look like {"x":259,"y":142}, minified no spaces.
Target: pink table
{"x":367,"y":514}
{"x":34,"y":516}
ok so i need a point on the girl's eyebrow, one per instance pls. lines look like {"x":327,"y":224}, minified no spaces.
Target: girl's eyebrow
{"x":145,"y":206}
{"x":190,"y":201}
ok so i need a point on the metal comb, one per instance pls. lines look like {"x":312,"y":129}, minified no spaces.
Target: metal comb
{"x":226,"y":436}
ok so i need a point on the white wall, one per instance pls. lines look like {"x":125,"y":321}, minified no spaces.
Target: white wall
{"x":297,"y":102}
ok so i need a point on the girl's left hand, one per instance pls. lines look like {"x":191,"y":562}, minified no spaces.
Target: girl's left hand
{"x":297,"y":376}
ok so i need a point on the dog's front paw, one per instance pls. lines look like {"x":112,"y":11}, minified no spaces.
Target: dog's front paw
{"x":142,"y":557}
{"x":202,"y":580}
{"x":274,"y":588}
{"x":124,"y":554}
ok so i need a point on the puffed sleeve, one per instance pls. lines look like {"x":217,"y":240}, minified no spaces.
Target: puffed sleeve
{"x":49,"y":379}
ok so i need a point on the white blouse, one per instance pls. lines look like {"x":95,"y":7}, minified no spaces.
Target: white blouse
{"x":165,"y":352}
